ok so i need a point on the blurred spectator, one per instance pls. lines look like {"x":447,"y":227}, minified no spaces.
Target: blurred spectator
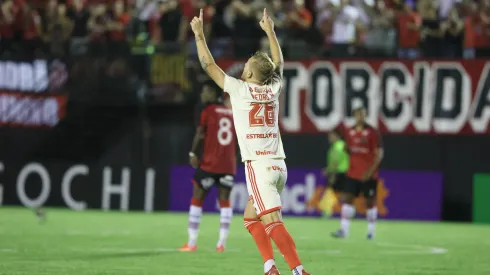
{"x":7,"y":16}
{"x":58,"y":31}
{"x":407,"y":22}
{"x":345,"y":21}
{"x":297,"y":26}
{"x":50,"y":13}
{"x":246,"y":14}
{"x":481,"y":28}
{"x":453,"y":31}
{"x":30,"y":25}
{"x":430,"y":29}
{"x":189,"y":9}
{"x":98,"y":26}
{"x":446,"y":6}
{"x":298,"y":19}
{"x":381,"y":36}
{"x":79,"y":15}
{"x":171,"y":23}
{"x":221,"y":29}
{"x":119,"y":19}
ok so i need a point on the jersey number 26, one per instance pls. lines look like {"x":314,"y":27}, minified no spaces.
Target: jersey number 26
{"x":262,"y":115}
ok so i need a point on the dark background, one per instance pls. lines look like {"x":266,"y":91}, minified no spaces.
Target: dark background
{"x":160,"y":137}
{"x":109,"y":122}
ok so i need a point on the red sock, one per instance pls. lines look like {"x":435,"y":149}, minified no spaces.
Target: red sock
{"x":284,"y":243}
{"x":257,"y":230}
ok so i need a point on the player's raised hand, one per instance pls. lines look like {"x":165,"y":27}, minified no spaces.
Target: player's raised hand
{"x":266,"y":22}
{"x":197,"y":24}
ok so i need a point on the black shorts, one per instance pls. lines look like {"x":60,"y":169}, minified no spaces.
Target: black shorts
{"x":339,"y":184}
{"x":355,"y":187}
{"x":206,"y":180}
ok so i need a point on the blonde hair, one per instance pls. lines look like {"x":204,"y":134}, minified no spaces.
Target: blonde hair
{"x":264,"y":68}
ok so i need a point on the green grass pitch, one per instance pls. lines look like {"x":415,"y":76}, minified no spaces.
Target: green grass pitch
{"x":93,"y":242}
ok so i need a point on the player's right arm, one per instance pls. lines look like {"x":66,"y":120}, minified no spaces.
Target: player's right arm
{"x":268,"y":26}
{"x":207,"y":61}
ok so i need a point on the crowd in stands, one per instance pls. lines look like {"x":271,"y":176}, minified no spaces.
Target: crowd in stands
{"x":327,"y":28}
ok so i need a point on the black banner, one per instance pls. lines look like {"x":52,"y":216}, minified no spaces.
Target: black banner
{"x":81,"y":186}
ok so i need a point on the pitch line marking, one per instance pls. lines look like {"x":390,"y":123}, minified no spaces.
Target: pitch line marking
{"x":166,"y":249}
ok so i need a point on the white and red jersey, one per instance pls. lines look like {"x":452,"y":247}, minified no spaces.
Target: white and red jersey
{"x":255,"y":113}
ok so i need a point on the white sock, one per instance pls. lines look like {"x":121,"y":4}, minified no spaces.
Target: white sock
{"x":298,"y":270}
{"x":268,"y":265}
{"x":372,"y":216}
{"x":226,"y":215}
{"x":347,"y":214}
{"x":195,"y":215}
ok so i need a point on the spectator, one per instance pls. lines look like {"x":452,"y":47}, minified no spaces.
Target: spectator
{"x":222,"y":29}
{"x":345,"y":21}
{"x":453,"y":30}
{"x":407,"y":22}
{"x":98,"y":24}
{"x":50,"y":13}
{"x":7,"y":16}
{"x":481,"y":28}
{"x":298,"y":19}
{"x":297,"y":24}
{"x":146,"y":10}
{"x":246,"y":15}
{"x":190,"y":8}
{"x":430,"y":29}
{"x":30,"y":26}
{"x":171,"y":23}
{"x":446,"y":6}
{"x":58,"y":32}
{"x":380,"y":38}
{"x":118,"y":21}
{"x":79,"y":15}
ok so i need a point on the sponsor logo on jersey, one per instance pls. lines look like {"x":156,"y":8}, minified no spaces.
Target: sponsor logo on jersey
{"x":257,"y":136}
{"x":265,"y":153}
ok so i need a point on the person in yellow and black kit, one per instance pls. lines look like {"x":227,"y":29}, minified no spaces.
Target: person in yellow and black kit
{"x":337,"y":165}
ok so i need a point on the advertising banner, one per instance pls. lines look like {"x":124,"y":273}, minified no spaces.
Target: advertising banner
{"x":407,"y":195}
{"x":402,"y":97}
{"x":31,"y":92}
{"x":81,"y":186}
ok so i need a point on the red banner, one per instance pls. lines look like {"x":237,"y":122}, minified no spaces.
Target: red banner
{"x":402,"y":97}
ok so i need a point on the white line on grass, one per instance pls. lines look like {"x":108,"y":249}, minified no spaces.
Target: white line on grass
{"x":411,"y":249}
{"x":166,"y":249}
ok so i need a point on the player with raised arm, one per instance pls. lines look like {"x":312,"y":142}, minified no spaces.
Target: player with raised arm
{"x":366,"y":152}
{"x":216,"y":167}
{"x":255,"y":105}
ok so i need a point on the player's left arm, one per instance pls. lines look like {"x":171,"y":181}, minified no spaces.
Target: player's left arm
{"x":377,"y":144}
{"x":198,"y":139}
{"x":196,"y":145}
{"x":205,"y":57}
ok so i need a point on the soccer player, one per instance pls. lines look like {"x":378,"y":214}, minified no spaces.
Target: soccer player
{"x":337,"y":165}
{"x":366,"y":152}
{"x":255,"y":104}
{"x":216,"y":167}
